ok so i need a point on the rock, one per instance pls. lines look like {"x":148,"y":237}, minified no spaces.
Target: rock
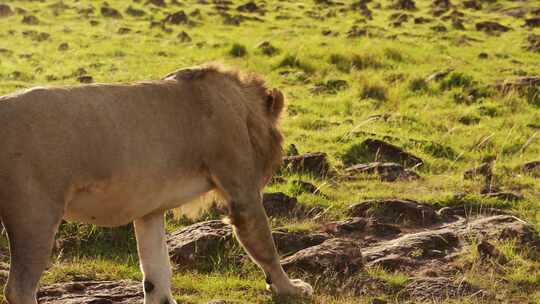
{"x":505,"y":196}
{"x":291,"y":242}
{"x":64,"y":46}
{"x":279,"y":204}
{"x":355,"y":31}
{"x":124,"y":30}
{"x":422,"y":20}
{"x":472,"y":4}
{"x":315,"y":164}
{"x":520,"y":84}
{"x":408,"y":5}
{"x":491,"y":27}
{"x":533,"y":43}
{"x":229,"y":19}
{"x":484,"y":170}
{"x":439,"y":28}
{"x":85,"y":79}
{"x":267,"y":48}
{"x":177,"y":18}
{"x":486,"y":250}
{"x":532,"y":168}
{"x":374,"y":150}
{"x":435,"y":290}
{"x":396,"y":211}
{"x":420,"y":245}
{"x":532,"y":22}
{"x":5,"y":11}
{"x":392,"y":262}
{"x":361,"y":228}
{"x":388,"y":172}
{"x":439,"y":7}
{"x":305,"y":187}
{"x":92,"y":292}
{"x":135,"y":12}
{"x":183,"y":37}
{"x":516,"y":12}
{"x":159,"y":3}
{"x":198,"y":242}
{"x":439,"y":75}
{"x":336,"y":257}
{"x":110,"y":12}
{"x":30,"y":20}
{"x":483,"y":55}
{"x":332,"y":86}
{"x":249,"y":7}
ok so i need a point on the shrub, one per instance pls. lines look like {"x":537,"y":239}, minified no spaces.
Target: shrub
{"x":238,"y":50}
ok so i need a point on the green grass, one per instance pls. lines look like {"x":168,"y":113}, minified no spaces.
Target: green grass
{"x":452,"y":123}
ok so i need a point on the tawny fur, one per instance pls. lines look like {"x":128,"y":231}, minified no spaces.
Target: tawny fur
{"x":110,"y":154}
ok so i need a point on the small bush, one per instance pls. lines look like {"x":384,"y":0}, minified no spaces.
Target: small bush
{"x":374,"y":91}
{"x":341,"y":62}
{"x":293,"y":61}
{"x":418,"y":85}
{"x":238,"y":50}
{"x":366,"y":61}
{"x":393,"y":54}
{"x":455,"y":80}
{"x":533,"y":96}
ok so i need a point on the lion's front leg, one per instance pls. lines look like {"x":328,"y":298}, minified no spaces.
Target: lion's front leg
{"x":252,"y":229}
{"x":154,"y":259}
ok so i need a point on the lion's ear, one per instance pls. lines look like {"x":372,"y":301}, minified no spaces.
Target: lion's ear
{"x":275,"y":101}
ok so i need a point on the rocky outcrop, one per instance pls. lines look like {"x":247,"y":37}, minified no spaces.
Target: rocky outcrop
{"x":396,"y":211}
{"x":92,"y":292}
{"x":335,"y":257}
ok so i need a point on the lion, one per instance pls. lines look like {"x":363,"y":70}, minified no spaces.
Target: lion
{"x":111,"y":154}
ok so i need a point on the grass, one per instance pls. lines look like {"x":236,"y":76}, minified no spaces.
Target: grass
{"x":452,"y":123}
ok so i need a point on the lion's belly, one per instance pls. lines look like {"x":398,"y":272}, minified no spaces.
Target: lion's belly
{"x":118,"y":203}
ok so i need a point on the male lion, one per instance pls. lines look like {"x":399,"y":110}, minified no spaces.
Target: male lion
{"x":109,"y":154}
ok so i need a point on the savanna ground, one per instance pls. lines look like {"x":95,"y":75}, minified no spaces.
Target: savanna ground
{"x":351,"y":70}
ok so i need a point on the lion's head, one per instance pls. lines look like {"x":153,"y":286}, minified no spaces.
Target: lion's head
{"x":264,"y":107}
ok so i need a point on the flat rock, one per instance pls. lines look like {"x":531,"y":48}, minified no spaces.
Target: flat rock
{"x":374,"y":150}
{"x":337,"y":257}
{"x":388,"y":172}
{"x":491,"y":27}
{"x":315,"y":163}
{"x":5,"y":11}
{"x":109,"y":12}
{"x":520,"y":84}
{"x":361,"y":228}
{"x":279,"y":204}
{"x":177,"y":18}
{"x":484,"y":169}
{"x":92,"y":292}
{"x":198,"y":242}
{"x":532,"y":22}
{"x":291,"y":242}
{"x":433,"y":290}
{"x":532,"y":168}
{"x":420,"y":245}
{"x":533,"y":43}
{"x":396,"y":211}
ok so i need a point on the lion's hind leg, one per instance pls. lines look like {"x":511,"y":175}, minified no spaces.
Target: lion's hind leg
{"x":31,"y":229}
{"x":252,"y":229}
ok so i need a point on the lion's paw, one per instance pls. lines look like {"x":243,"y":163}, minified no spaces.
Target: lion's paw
{"x":296,"y":287}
